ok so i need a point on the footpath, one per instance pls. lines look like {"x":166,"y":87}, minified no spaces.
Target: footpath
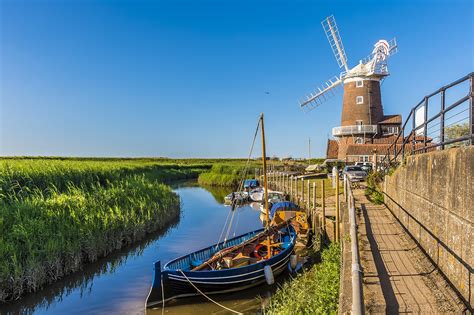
{"x":397,"y":276}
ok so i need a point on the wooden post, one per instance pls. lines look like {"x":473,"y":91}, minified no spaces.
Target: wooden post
{"x":323,"y":206}
{"x":309,"y":196}
{"x":291,"y":188}
{"x":296,"y":190}
{"x":313,"y":214}
{"x":337,"y":208}
{"x":314,"y":195}
{"x":302,"y":192}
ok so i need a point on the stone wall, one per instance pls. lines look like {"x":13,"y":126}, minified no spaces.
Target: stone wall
{"x":432,"y":196}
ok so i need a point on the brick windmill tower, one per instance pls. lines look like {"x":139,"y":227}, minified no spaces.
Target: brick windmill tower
{"x":363,"y":121}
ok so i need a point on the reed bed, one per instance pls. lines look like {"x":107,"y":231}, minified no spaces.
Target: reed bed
{"x":227,"y":175}
{"x":57,"y":215}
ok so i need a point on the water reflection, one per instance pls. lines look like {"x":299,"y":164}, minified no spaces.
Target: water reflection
{"x":81,"y":283}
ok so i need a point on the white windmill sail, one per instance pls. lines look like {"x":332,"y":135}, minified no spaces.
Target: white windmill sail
{"x":326,"y":90}
{"x":374,"y":64}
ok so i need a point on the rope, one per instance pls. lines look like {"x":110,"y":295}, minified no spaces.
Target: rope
{"x":229,"y":227}
{"x":224,"y":307}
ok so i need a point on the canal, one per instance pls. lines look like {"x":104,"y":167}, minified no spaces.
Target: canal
{"x":119,"y":283}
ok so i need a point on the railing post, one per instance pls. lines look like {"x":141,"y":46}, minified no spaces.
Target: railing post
{"x":395,"y":151}
{"x":314,"y":195}
{"x":471,"y":110}
{"x":441,"y":129}
{"x":402,"y":134}
{"x":337,"y":209}
{"x":413,"y":133}
{"x":425,"y":124}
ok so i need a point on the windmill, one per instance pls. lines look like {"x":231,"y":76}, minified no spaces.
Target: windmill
{"x":362,"y":103}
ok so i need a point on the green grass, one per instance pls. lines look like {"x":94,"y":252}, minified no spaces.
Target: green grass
{"x":58,"y":214}
{"x":313,"y":292}
{"x":229,"y":174}
{"x":373,"y":190}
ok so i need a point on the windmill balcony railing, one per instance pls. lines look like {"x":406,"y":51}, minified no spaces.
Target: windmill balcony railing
{"x":353,"y":130}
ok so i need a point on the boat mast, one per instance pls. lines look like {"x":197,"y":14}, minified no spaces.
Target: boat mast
{"x":265,"y":186}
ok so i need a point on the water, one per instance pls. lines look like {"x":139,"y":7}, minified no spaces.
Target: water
{"x":119,"y":283}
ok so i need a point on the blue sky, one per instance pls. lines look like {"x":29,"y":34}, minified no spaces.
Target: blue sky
{"x":189,"y":78}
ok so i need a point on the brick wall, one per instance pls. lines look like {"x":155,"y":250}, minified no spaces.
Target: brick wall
{"x":352,"y":111}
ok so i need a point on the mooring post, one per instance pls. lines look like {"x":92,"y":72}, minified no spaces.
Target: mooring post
{"x":296,"y":190}
{"x":314,"y":195}
{"x":302,"y":192}
{"x":291,"y":187}
{"x":309,"y":195}
{"x":337,"y":207}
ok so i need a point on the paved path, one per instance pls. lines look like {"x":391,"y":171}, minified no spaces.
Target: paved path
{"x":398,"y":278}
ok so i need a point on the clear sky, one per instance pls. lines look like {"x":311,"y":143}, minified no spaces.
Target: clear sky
{"x":189,"y":78}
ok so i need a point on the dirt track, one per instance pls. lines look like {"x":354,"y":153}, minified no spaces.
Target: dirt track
{"x":398,"y":277}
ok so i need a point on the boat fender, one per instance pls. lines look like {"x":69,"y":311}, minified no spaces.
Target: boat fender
{"x":293,"y":261}
{"x":269,"y":275}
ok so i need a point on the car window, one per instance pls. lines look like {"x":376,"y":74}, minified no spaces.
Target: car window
{"x":354,"y":169}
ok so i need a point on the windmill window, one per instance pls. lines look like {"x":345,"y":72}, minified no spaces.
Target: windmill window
{"x":359,"y":100}
{"x":359,"y":83}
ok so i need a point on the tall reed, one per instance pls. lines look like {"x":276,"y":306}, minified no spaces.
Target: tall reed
{"x":57,"y":215}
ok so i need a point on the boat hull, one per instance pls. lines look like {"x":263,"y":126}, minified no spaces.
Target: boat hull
{"x":177,"y":283}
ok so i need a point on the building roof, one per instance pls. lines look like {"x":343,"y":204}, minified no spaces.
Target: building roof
{"x":332,"y":149}
{"x":391,"y":119}
{"x":366,"y":149}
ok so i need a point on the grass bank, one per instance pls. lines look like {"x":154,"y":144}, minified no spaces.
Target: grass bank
{"x":313,"y":292}
{"x":58,"y":214}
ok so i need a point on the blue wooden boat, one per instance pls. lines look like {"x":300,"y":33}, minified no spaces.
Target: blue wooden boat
{"x":178,"y":280}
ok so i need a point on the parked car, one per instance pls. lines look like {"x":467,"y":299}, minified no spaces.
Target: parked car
{"x":355,"y":173}
{"x":366,"y":166}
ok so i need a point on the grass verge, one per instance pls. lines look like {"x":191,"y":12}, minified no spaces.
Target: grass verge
{"x":313,"y":292}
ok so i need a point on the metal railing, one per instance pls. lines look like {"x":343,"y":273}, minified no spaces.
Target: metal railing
{"x":357,"y":295}
{"x":355,"y":129}
{"x":455,"y":117}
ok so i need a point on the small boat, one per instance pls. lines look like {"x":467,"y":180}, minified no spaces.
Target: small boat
{"x":288,"y":211}
{"x":232,"y":265}
{"x":274,"y":196}
{"x":250,"y":184}
{"x":238,"y":197}
{"x":257,"y":194}
{"x":226,"y":267}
